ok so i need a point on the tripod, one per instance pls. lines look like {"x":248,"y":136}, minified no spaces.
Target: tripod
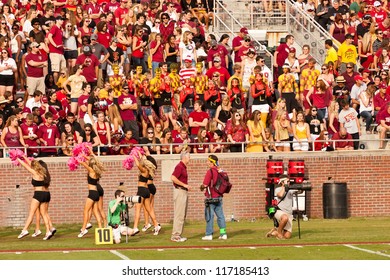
{"x":125,"y":220}
{"x":299,"y":224}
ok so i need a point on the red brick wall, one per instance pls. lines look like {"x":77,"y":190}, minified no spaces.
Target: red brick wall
{"x":366,"y":173}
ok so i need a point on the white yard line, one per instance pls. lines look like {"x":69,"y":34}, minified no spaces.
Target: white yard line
{"x":368,"y":251}
{"x":116,"y":253}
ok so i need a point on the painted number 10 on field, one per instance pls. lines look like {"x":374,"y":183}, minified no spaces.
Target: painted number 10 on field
{"x":103,"y":236}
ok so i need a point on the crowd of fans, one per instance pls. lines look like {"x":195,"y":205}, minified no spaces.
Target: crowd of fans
{"x":116,"y":74}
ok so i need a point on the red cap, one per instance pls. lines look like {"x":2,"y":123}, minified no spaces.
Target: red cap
{"x":293,"y":50}
{"x":44,"y":99}
{"x":382,"y":85}
{"x":244,"y":30}
{"x":358,"y":78}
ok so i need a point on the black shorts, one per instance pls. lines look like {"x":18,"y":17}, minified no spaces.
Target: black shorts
{"x":7,"y":80}
{"x":47,"y":197}
{"x":143,"y":192}
{"x":152,"y":189}
{"x":100,"y":190}
{"x":40,"y":196}
{"x":93,"y":195}
{"x":71,"y":54}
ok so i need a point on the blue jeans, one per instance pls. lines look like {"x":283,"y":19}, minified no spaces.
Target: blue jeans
{"x":209,"y":215}
{"x":368,"y":117}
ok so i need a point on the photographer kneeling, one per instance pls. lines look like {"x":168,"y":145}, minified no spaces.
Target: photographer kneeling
{"x":284,"y":213}
{"x":213,"y":201}
{"x":116,"y":219}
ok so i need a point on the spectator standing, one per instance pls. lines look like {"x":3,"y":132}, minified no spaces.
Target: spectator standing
{"x":348,"y":120}
{"x":238,"y":43}
{"x":36,"y":67}
{"x":282,"y":52}
{"x":48,"y":136}
{"x":217,"y":50}
{"x":180,"y":197}
{"x":56,"y":47}
{"x":347,"y":53}
{"x":223,"y":72}
{"x":128,"y":108}
{"x":90,"y":65}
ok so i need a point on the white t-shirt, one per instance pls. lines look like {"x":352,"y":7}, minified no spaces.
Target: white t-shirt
{"x":356,"y":91}
{"x":349,"y":119}
{"x":188,"y":50}
{"x":4,"y":63}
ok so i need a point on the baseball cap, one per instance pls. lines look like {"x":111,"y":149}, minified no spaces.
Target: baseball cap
{"x":286,"y":66}
{"x":217,"y":59}
{"x":377,"y":4}
{"x":213,"y":43}
{"x":382,"y":86}
{"x":358,"y":78}
{"x":188,"y":59}
{"x":244,"y":30}
{"x":44,"y":99}
{"x":94,"y":36}
{"x":367,"y":16}
{"x":293,"y":50}
{"x":34,"y":44}
{"x":114,"y":39}
{"x":251,"y":50}
{"x":87,"y":49}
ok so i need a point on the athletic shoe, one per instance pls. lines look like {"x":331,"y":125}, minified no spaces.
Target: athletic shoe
{"x":157,"y":229}
{"x":48,"y":235}
{"x":207,"y":237}
{"x":178,"y":239}
{"x":36,"y":233}
{"x":53,"y":231}
{"x":146,"y":227}
{"x":271,"y":233}
{"x":89,"y":225}
{"x":23,"y":234}
{"x":135,"y":231}
{"x":223,"y":237}
{"x":82,"y":233}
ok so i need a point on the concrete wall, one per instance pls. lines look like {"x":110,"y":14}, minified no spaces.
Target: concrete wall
{"x":366,"y":173}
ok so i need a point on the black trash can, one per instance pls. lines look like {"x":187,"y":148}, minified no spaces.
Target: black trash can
{"x":335,"y":200}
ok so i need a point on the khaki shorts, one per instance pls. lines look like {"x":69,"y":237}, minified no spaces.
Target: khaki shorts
{"x":57,"y":61}
{"x":34,"y":84}
{"x":380,"y":128}
{"x":278,"y":216}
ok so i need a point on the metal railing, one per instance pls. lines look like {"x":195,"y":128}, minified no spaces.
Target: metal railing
{"x":306,"y":30}
{"x":231,"y":22}
{"x":172,"y":146}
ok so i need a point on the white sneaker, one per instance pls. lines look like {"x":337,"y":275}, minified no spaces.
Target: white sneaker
{"x":178,"y":239}
{"x":207,"y":237}
{"x":48,"y":236}
{"x":82,"y":233}
{"x":36,"y":233}
{"x":146,"y":227}
{"x":89,"y":225}
{"x":23,"y":234}
{"x":157,"y":229}
{"x":135,"y":231}
{"x":223,"y":237}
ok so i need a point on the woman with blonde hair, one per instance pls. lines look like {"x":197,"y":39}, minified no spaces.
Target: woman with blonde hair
{"x":95,"y":170}
{"x":146,"y":170}
{"x":187,"y":48}
{"x":40,"y":181}
{"x":301,"y":132}
{"x":223,"y":112}
{"x":365,"y":50}
{"x":12,"y":135}
{"x":282,"y":131}
{"x":256,"y":133}
{"x":334,"y":124}
{"x":366,"y":108}
{"x":115,"y":119}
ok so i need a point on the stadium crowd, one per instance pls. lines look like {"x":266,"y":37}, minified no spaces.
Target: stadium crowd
{"x":117,"y":74}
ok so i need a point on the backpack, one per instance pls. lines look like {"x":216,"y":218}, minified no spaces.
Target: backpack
{"x":222,"y":184}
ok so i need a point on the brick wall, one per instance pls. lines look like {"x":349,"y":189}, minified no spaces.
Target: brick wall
{"x":366,"y":173}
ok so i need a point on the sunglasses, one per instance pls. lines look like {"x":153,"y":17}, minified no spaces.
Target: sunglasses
{"x":325,"y":134}
{"x":324,"y":68}
{"x":157,"y":21}
{"x":314,"y":110}
{"x":69,"y":140}
{"x":216,"y":76}
{"x":380,"y":33}
{"x":3,"y":23}
{"x":262,"y":61}
{"x":4,"y":52}
{"x":19,"y":101}
{"x":150,"y":132}
{"x":349,"y":67}
{"x":164,"y":18}
{"x":238,"y":115}
{"x":87,"y":130}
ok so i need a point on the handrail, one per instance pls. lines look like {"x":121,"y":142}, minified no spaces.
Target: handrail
{"x":218,"y":6}
{"x":172,"y":145}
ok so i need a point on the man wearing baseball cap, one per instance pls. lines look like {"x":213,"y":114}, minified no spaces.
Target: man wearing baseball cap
{"x":188,"y":70}
{"x":36,"y":63}
{"x":377,"y":13}
{"x":217,"y":50}
{"x":347,"y":53}
{"x":238,"y":43}
{"x":91,"y":65}
{"x":56,"y":48}
{"x":223,"y":72}
{"x":356,"y":90}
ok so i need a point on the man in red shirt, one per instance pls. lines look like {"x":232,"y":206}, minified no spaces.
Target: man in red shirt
{"x":128,"y":108}
{"x":377,"y":13}
{"x":217,"y":50}
{"x":238,"y":43}
{"x":36,"y":62}
{"x":282,"y":53}
{"x":56,"y":48}
{"x":30,"y":135}
{"x":383,"y":121}
{"x":94,"y":10}
{"x":346,"y":144}
{"x":121,"y":13}
{"x":91,"y":65}
{"x":223,"y":72}
{"x":197,"y":118}
{"x":48,"y":136}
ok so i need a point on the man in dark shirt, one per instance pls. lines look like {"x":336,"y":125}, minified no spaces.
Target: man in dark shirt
{"x":148,"y":142}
